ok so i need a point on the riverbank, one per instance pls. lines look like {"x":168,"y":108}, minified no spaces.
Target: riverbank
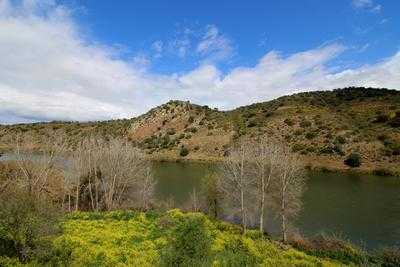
{"x":315,"y":163}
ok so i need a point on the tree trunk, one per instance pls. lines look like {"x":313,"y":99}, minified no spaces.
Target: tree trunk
{"x":77,"y":195}
{"x":262,"y":204}
{"x":243,"y":213}
{"x":283,"y":219}
{"x":69,"y":202}
{"x":215,"y":208}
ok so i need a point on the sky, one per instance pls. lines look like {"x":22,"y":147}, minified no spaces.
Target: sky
{"x":99,"y":60}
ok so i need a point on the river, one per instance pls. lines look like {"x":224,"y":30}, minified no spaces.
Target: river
{"x":362,"y":208}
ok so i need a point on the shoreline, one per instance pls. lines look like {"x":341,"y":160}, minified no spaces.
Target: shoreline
{"x":312,"y":163}
{"x":320,"y":164}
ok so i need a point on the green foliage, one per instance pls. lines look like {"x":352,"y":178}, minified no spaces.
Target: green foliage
{"x":183,"y":152}
{"x":191,"y":129}
{"x":26,"y":222}
{"x":305,"y":124}
{"x":212,"y":195}
{"x":252,"y":123}
{"x":171,"y":131}
{"x":127,"y":238}
{"x":289,"y":122}
{"x":340,"y":140}
{"x":395,"y":122}
{"x":353,"y":160}
{"x":123,"y":238}
{"x":190,"y":242}
{"x":310,"y":135}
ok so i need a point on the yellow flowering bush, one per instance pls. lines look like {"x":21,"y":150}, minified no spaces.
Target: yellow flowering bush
{"x":126,"y":238}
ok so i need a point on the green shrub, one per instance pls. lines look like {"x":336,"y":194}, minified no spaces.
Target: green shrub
{"x":305,"y":124}
{"x":171,"y":131}
{"x":189,"y":244}
{"x":310,"y":135}
{"x":26,"y":221}
{"x":340,"y":140}
{"x":382,"y":118}
{"x":298,"y":132}
{"x":289,"y":122}
{"x":298,"y":147}
{"x":251,"y":123}
{"x":353,"y":160}
{"x":395,"y":122}
{"x":183,"y":152}
{"x":191,"y":129}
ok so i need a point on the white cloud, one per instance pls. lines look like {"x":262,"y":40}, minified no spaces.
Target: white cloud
{"x":367,"y":5}
{"x":214,"y":45}
{"x":49,"y":70}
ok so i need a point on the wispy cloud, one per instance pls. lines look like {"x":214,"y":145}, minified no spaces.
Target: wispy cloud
{"x":157,"y":47}
{"x":214,"y":46}
{"x":369,"y":5}
{"x":49,"y":70}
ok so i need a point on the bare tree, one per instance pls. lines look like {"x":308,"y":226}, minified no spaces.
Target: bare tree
{"x":265,"y":157}
{"x":108,"y":174}
{"x":290,"y":184}
{"x":40,"y":173}
{"x":236,"y":180}
{"x":146,"y":186}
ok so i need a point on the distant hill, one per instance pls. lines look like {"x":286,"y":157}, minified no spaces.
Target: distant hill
{"x":323,"y":126}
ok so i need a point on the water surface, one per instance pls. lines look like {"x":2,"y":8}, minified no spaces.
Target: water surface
{"x":362,"y":208}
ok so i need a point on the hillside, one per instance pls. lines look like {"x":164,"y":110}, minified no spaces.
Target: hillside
{"x":127,"y":238}
{"x":324,"y":127}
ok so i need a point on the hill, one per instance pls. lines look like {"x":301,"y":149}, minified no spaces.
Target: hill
{"x":323,"y":126}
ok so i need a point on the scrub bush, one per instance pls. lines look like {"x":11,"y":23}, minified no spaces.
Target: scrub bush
{"x":353,"y":160}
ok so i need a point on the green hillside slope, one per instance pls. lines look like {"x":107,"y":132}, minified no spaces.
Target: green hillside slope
{"x":324,"y":127}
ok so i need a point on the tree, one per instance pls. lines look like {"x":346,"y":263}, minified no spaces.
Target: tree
{"x":265,"y":158}
{"x":25,"y":222}
{"x":40,"y":173}
{"x":235,"y":180}
{"x":289,"y":186}
{"x":30,"y":201}
{"x":108,"y":174}
{"x":211,"y":194}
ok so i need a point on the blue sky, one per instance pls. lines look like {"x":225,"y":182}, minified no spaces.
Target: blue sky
{"x":94,"y":60}
{"x":371,"y":30}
